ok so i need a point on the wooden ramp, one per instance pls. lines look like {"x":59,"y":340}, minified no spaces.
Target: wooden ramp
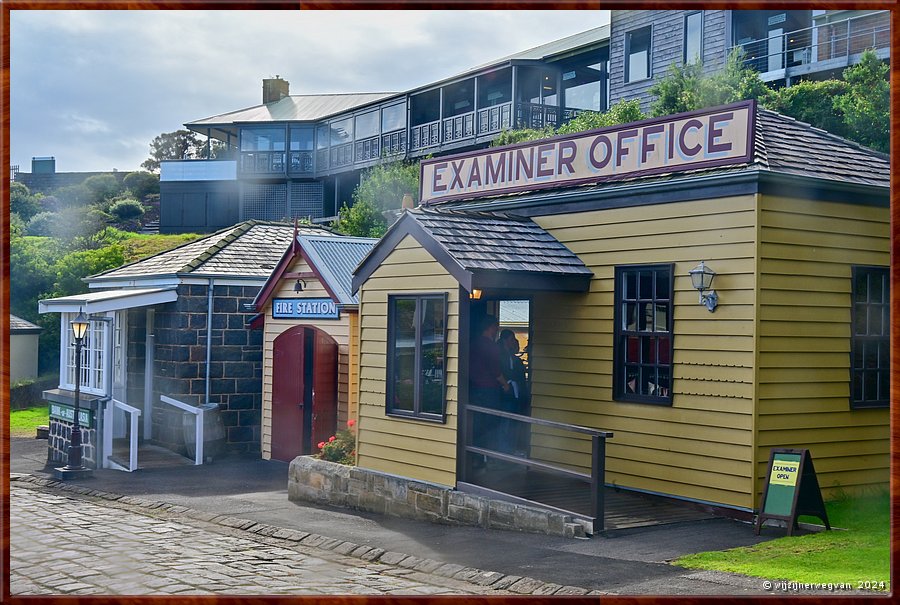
{"x":624,"y":509}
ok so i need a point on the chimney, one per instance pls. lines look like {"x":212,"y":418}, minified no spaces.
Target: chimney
{"x":275,"y":89}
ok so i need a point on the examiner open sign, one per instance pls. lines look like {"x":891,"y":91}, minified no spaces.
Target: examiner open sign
{"x":711,"y":137}
{"x":784,"y":472}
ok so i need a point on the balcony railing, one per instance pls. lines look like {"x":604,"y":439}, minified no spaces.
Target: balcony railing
{"x":457,"y":128}
{"x":393,"y":143}
{"x":301,"y":161}
{"x":819,"y":44}
{"x":494,"y":119}
{"x":367,"y":149}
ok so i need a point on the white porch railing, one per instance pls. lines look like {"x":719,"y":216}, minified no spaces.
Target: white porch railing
{"x":134,"y":417}
{"x":198,"y":428}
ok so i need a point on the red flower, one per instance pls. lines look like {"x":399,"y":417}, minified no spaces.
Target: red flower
{"x":330,"y":439}
{"x":350,"y":423}
{"x":321,"y":444}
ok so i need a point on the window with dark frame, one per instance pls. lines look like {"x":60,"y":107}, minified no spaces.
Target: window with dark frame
{"x":870,"y":344}
{"x":693,"y":37}
{"x":642,"y":355}
{"x":416,"y":354}
{"x":637,"y":54}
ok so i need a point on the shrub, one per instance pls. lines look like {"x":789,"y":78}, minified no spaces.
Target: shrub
{"x":126,"y":210}
{"x":42,"y":223}
{"x":340,"y":447}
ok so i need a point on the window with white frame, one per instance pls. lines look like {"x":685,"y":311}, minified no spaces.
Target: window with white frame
{"x":93,"y":356}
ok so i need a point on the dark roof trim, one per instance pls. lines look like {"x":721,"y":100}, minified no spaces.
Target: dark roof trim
{"x":407,"y":225}
{"x":531,"y":281}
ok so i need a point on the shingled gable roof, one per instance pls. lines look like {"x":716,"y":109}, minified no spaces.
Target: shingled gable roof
{"x":332,"y":260}
{"x":249,"y":249}
{"x":482,"y":250}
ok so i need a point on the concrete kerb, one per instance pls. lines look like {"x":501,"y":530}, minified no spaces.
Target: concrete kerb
{"x":492,"y":579}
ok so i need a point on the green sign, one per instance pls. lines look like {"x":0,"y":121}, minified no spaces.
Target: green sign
{"x":791,"y":489}
{"x":62,"y":411}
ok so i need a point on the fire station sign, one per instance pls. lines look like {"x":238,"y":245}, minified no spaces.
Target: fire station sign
{"x":700,"y":139}
{"x":304,"y":308}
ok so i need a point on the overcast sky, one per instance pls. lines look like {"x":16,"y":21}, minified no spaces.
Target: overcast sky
{"x":92,"y":88}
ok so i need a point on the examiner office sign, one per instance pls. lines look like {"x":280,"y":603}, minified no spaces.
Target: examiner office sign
{"x":688,"y":141}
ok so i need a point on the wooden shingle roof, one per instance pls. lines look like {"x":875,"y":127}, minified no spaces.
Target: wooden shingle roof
{"x":484,"y":251}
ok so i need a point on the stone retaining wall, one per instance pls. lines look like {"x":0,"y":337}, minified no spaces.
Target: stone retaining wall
{"x":323,"y":482}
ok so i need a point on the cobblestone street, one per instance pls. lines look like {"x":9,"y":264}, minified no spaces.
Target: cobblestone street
{"x":80,"y":544}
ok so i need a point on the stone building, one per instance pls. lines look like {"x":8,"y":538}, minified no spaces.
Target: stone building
{"x":173,"y":325}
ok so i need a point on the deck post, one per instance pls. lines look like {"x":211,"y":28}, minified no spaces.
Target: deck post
{"x":598,"y":463}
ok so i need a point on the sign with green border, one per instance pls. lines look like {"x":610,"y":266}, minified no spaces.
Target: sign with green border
{"x":62,"y":411}
{"x":791,"y":489}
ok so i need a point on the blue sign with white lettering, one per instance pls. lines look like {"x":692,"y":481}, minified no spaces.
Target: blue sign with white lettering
{"x":305,"y":308}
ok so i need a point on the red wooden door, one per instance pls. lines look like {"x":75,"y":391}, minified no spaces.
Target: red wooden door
{"x":324,"y":377}
{"x":288,"y":394}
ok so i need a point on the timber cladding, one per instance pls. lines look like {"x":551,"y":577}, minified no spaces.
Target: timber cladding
{"x":339,"y":330}
{"x":412,"y":448}
{"x":807,"y":252}
{"x":701,"y":446}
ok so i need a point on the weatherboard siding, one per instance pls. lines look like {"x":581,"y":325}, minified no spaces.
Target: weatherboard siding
{"x":411,"y":448}
{"x":807,"y":251}
{"x":701,"y":446}
{"x":340,"y":330}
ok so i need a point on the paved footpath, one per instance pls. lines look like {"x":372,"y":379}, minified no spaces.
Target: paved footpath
{"x":79,"y":541}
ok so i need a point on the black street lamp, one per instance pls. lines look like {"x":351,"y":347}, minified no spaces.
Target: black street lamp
{"x":79,"y":328}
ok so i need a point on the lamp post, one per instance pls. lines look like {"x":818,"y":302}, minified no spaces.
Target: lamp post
{"x":79,"y":328}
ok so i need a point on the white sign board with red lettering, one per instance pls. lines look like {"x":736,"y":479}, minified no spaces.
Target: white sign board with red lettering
{"x":701,"y":139}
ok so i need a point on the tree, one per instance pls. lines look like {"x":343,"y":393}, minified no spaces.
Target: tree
{"x":678,"y":91}
{"x":686,"y":88}
{"x":22,"y":202}
{"x":812,"y":102}
{"x":866,"y":104}
{"x":102,"y":187}
{"x":384,"y":185}
{"x":622,"y":112}
{"x":176,"y":145}
{"x":362,"y":219}
{"x":141,"y":184}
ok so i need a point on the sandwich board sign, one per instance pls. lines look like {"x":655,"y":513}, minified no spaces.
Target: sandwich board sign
{"x":791,"y":489}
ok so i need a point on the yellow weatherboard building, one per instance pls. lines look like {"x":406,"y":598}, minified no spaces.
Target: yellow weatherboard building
{"x":703,"y":311}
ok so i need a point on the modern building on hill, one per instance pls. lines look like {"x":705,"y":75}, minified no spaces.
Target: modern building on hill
{"x":784,"y":46}
{"x":302,"y":155}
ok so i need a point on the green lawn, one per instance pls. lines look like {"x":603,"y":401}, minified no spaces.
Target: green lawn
{"x":24,"y":423}
{"x":859,"y":555}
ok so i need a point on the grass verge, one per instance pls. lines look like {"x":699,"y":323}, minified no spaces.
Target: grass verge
{"x":24,"y":423}
{"x":859,"y":556}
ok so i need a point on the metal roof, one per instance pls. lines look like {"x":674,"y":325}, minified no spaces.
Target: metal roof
{"x":109,"y":300}
{"x":556,"y":47}
{"x":248,"y":249}
{"x":335,"y":258}
{"x":320,"y":106}
{"x":293,"y":108}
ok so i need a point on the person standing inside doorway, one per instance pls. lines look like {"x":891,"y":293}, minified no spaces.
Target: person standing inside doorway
{"x":487,"y":385}
{"x":516,"y":398}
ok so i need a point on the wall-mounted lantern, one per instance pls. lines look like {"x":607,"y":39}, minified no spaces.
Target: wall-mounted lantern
{"x":476,"y":294}
{"x":702,"y":279}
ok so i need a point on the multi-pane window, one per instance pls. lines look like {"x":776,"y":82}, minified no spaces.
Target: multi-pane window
{"x":870,"y":346}
{"x":416,"y":354}
{"x":93,"y":357}
{"x":693,"y":37}
{"x":637,"y":54}
{"x":393,"y":117}
{"x":642,"y":357}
